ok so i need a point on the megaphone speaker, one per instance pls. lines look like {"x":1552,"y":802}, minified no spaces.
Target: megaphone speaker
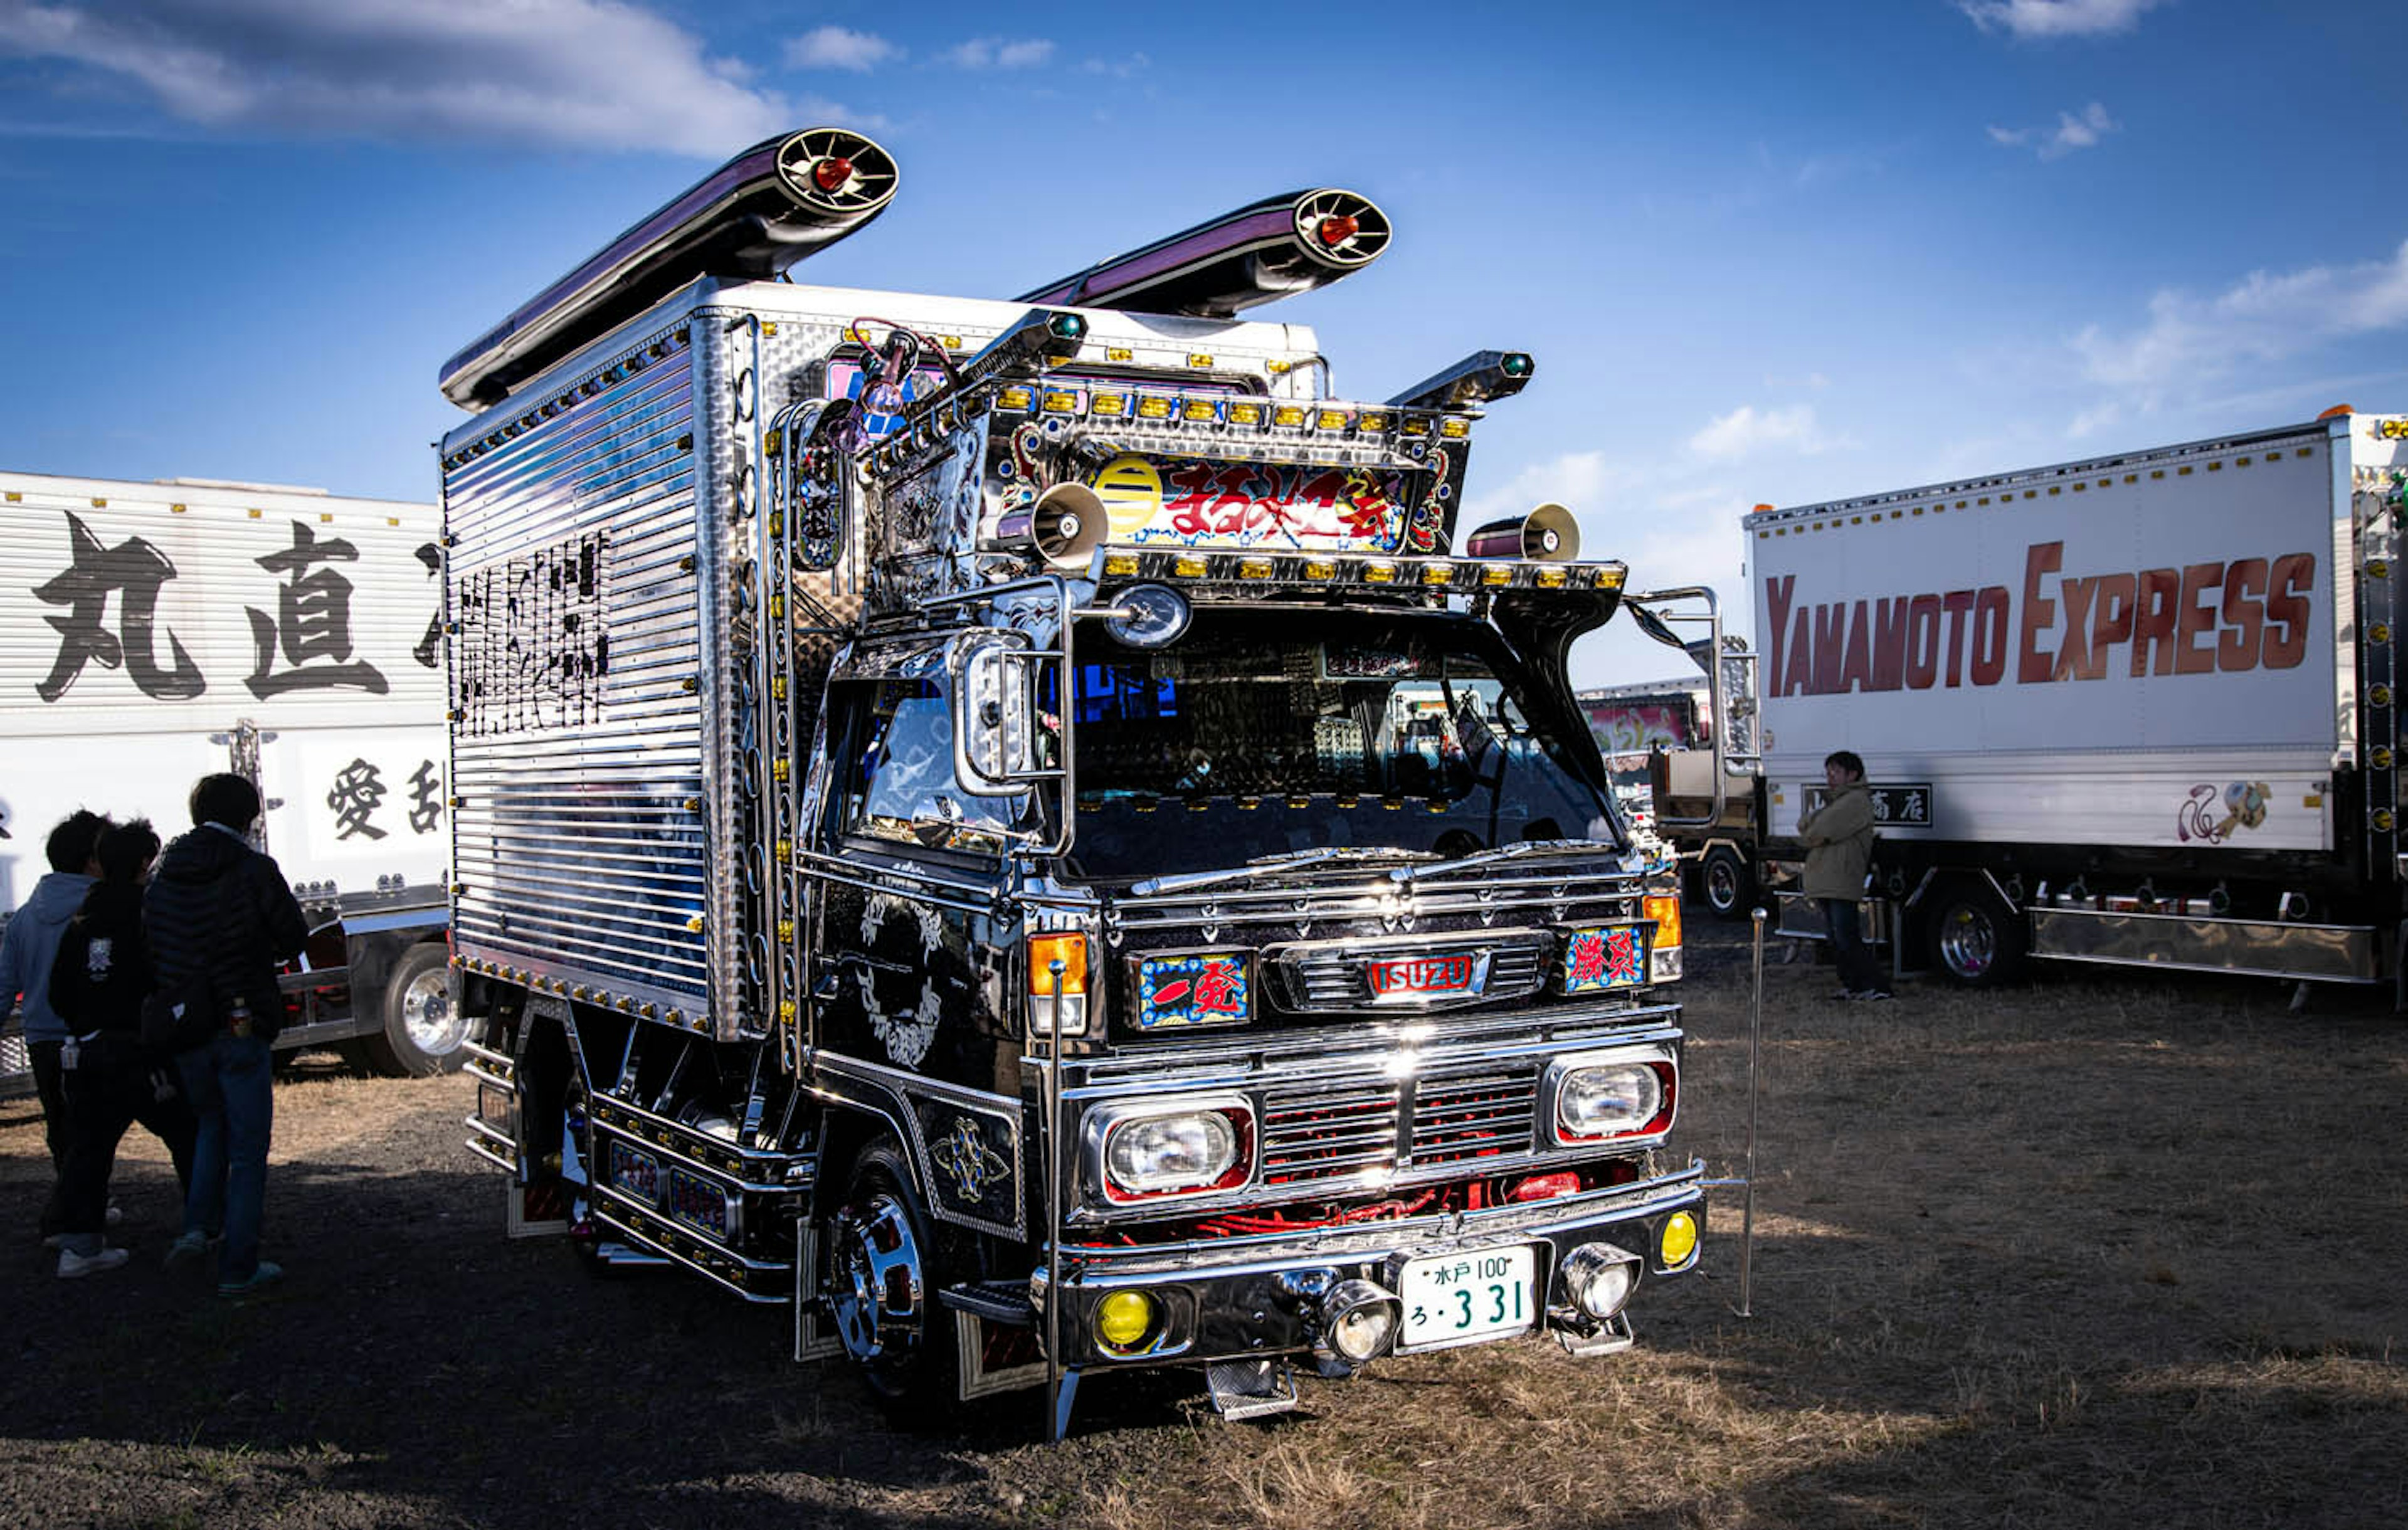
{"x":1067,"y":523}
{"x":1548,"y":534}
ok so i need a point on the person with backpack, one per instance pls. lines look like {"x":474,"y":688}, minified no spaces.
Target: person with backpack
{"x":27,"y":950}
{"x":221,"y":918}
{"x":98,"y":986}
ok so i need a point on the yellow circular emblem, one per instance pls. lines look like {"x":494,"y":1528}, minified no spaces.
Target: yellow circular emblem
{"x":1131,"y":491}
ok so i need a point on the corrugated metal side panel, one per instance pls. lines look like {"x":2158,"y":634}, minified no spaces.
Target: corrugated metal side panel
{"x":579,"y":738}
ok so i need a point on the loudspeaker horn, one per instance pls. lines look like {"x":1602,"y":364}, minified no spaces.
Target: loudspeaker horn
{"x":1548,"y":534}
{"x":1067,"y":524}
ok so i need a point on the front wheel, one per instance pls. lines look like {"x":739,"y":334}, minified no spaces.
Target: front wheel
{"x":422,"y":1028}
{"x":1724,"y":883}
{"x":1974,"y":940}
{"x":883,"y":1276}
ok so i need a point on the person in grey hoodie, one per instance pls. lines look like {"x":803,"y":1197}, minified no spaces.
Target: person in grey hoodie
{"x":26,"y":953}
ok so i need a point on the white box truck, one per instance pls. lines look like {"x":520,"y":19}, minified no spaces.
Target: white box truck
{"x":2134,"y":709}
{"x":151,"y":632}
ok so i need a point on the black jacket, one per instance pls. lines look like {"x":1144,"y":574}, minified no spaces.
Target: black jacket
{"x":219,"y":907}
{"x":103,"y":971}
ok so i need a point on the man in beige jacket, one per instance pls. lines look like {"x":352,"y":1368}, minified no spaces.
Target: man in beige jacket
{"x":1838,"y":838}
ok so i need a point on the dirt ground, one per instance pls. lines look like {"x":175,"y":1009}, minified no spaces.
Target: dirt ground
{"x":2095,"y":1252}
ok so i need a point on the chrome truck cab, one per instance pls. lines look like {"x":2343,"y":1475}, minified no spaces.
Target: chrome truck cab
{"x":1024,"y":832}
{"x":1336,"y":983}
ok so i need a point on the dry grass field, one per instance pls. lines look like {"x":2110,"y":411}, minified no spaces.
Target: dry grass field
{"x":2106,"y":1250}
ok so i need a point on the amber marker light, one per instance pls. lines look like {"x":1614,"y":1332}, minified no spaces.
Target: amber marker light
{"x":1070,"y":950}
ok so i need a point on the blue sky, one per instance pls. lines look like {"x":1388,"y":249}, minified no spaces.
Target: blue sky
{"x":1771,"y":252}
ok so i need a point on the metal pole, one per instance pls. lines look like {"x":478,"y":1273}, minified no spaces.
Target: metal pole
{"x":1755,"y":1056}
{"x":1052,"y":1155}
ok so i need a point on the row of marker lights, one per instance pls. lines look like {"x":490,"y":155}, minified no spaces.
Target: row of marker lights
{"x":1204,"y":411}
{"x":582,"y":995}
{"x":1942,"y":509}
{"x":1324,"y":570}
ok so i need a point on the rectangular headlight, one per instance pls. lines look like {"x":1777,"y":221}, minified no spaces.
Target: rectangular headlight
{"x":1167,"y":1150}
{"x":1621,"y":1095}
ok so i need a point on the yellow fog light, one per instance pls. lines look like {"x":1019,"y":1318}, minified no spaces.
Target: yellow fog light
{"x":1679,"y":1243}
{"x":1123,"y":1321}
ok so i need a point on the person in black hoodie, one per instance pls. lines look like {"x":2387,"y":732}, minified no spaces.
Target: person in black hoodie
{"x":98,"y":985}
{"x":221,"y":912}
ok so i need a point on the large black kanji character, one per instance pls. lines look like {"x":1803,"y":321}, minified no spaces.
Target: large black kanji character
{"x":425,"y":798}
{"x":429,"y":650}
{"x":134,"y":570}
{"x":356,"y":793}
{"x":313,"y":622}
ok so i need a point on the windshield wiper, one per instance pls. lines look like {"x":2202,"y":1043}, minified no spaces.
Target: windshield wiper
{"x":1507,"y":853}
{"x":1284,"y":861}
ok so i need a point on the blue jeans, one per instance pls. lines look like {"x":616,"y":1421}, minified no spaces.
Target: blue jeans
{"x":1859,"y":970}
{"x":230,"y":1083}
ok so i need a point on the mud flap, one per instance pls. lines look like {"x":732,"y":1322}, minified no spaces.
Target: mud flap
{"x":995,"y":1357}
{"x":814,"y":1337}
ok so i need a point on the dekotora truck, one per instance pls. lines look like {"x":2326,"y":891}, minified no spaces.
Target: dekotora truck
{"x":1021,"y":831}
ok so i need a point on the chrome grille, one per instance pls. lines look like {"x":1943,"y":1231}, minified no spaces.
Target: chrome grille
{"x":1313,"y":1135}
{"x":1332,"y":978}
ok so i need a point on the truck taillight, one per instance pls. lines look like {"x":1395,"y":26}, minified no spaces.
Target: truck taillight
{"x":1665,"y":909}
{"x":1070,"y":950}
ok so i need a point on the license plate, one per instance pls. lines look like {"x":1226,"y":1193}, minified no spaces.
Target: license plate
{"x":1462,"y":1298}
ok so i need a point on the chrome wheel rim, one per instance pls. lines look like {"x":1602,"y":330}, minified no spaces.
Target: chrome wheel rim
{"x":435,"y":1028}
{"x":1968,"y":942}
{"x":1722,"y":886}
{"x":878,"y":1286}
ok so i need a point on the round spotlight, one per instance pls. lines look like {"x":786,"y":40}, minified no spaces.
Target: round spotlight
{"x":1599,"y":1278}
{"x":1124,"y":1321}
{"x":1679,"y":1243}
{"x":1358,"y":1320}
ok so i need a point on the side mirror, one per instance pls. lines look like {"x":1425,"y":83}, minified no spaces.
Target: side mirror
{"x":996,"y":739}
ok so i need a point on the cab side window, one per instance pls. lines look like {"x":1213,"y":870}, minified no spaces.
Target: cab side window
{"x":901,"y":784}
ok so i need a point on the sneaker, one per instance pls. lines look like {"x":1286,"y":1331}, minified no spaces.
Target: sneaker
{"x":1872,"y":995}
{"x":54,"y":1241}
{"x":73,"y":1265}
{"x":261,"y":1279}
{"x":187,"y":1249}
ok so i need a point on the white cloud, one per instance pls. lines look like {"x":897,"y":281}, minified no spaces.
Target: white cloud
{"x":2262,"y":318}
{"x":997,"y":53}
{"x":1747,"y":430}
{"x":604,"y":74}
{"x":2070,"y":133}
{"x":840,"y":48}
{"x":2028,"y":19}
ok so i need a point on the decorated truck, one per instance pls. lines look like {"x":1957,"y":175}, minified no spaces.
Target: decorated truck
{"x":1021,"y":831}
{"x":153,"y":633}
{"x":2139,"y":709}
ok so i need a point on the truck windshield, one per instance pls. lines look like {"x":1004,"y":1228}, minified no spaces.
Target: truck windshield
{"x":1263,"y":735}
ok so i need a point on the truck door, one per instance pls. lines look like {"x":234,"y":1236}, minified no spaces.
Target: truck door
{"x":908,"y":956}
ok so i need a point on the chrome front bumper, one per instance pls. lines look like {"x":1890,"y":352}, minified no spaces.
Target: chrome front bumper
{"x":1254,"y":1297}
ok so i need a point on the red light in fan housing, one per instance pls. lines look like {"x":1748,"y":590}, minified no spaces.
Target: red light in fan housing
{"x":832,"y":172}
{"x":1546,"y":1187}
{"x":1336,"y":229}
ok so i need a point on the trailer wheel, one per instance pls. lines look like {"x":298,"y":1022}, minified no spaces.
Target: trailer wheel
{"x":1724,"y":883}
{"x":423,"y":1027}
{"x":1974,"y":940}
{"x":883,"y":1273}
